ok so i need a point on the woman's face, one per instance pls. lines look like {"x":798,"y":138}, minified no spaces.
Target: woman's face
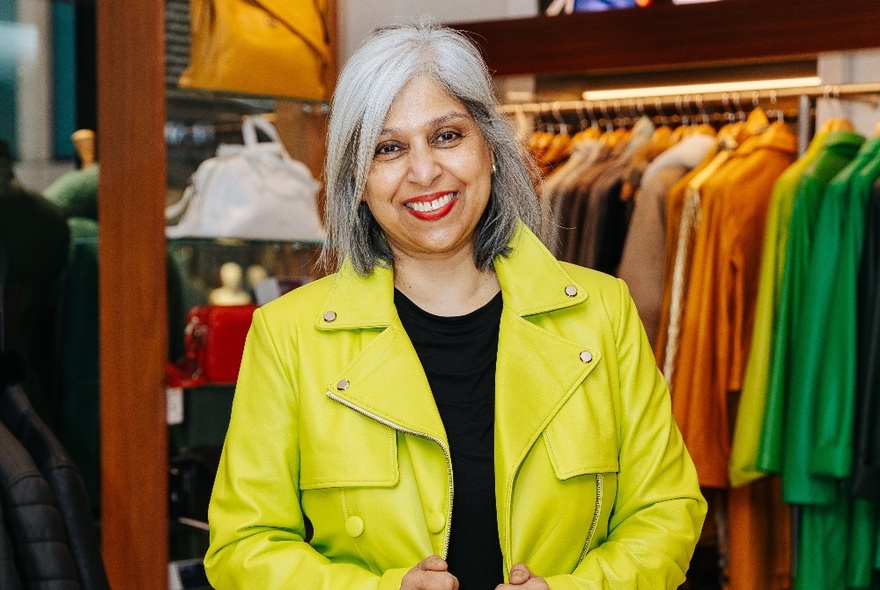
{"x":431,"y":174}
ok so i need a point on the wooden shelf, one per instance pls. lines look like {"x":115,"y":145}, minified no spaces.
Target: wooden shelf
{"x":665,"y":36}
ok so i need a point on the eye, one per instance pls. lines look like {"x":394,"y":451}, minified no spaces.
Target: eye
{"x":387,"y":150}
{"x":448,"y":137}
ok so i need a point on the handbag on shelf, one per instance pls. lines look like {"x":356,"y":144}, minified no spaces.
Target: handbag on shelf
{"x":214,"y":343}
{"x":254,"y":191}
{"x":270,"y":47}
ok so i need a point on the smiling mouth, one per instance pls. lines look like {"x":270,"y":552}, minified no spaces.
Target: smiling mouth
{"x":427,"y":206}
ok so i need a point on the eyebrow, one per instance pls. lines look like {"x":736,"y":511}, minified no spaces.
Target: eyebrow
{"x":452,"y":115}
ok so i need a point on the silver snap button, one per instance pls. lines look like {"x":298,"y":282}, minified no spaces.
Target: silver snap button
{"x":571,"y":290}
{"x":343,"y":385}
{"x":329,"y":316}
{"x":586,"y":356}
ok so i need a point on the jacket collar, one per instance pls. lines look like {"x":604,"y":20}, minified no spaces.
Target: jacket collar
{"x":537,"y":369}
{"x":359,"y":302}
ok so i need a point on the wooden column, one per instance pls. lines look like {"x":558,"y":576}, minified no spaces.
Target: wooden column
{"x":133,"y":315}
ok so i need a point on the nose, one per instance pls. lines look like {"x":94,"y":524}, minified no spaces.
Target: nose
{"x":424,"y":167}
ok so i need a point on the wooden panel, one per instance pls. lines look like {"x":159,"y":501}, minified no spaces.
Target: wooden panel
{"x":133,"y":315}
{"x":667,"y":35}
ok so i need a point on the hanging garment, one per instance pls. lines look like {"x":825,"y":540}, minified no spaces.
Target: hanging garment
{"x":607,"y":216}
{"x":830,"y":303}
{"x":34,"y":241}
{"x":557,"y":185}
{"x":822,"y":543}
{"x":750,"y":416}
{"x":864,"y":524}
{"x":642,"y":262}
{"x":809,"y":344}
{"x":686,"y":230}
{"x":840,"y":148}
{"x":642,"y":157}
{"x":718,"y":312}
{"x":866,"y":466}
{"x":716,"y":323}
{"x":576,"y":201}
{"x":832,"y":295}
{"x":850,"y":526}
{"x":760,"y":540}
{"x":673,"y":209}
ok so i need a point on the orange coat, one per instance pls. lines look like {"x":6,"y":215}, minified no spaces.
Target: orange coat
{"x":716,"y":329}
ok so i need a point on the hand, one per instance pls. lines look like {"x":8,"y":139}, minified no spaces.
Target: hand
{"x":523,"y":579}
{"x":429,"y":574}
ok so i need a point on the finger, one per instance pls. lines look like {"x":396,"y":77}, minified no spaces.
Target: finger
{"x":433,"y":563}
{"x":519,"y":574}
{"x":438,"y":581}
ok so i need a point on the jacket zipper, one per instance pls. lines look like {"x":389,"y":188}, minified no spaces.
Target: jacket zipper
{"x":595,"y":522}
{"x":433,"y":439}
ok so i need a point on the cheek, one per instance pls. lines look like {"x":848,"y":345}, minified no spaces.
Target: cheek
{"x":474,"y":165}
{"x":379,"y":185}
{"x":383,"y":180}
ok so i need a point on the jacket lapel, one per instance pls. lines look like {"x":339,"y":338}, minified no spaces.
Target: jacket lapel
{"x":385,"y":380}
{"x":537,"y":368}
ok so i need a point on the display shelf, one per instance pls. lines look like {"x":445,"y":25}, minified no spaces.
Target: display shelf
{"x":198,"y":264}
{"x":198,"y":121}
{"x":665,"y":36}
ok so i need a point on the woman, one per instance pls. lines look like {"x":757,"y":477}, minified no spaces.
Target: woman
{"x":454,"y":407}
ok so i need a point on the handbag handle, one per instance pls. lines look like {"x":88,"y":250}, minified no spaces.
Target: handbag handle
{"x":249,"y":130}
{"x":176,"y":208}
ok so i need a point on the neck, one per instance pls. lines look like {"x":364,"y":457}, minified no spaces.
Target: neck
{"x":448,"y":287}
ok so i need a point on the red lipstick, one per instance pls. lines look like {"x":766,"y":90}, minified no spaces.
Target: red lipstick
{"x":431,"y":207}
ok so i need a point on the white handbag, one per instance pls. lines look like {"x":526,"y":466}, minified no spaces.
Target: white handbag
{"x":254,"y":191}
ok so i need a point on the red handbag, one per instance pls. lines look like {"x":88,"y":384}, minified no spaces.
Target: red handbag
{"x":214,"y":342}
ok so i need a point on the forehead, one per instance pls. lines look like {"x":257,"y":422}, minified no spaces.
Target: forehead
{"x":421,"y":102}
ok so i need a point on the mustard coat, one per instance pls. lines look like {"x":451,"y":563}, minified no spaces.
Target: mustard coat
{"x":333,"y":421}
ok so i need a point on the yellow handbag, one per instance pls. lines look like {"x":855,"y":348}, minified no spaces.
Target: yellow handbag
{"x":269,"y":47}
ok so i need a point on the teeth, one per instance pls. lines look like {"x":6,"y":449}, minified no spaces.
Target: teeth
{"x":432,"y":205}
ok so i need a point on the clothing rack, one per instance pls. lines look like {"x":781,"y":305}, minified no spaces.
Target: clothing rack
{"x":692,"y":107}
{"x":868,"y":93}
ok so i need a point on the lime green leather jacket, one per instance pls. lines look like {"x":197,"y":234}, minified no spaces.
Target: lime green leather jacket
{"x":334,"y":423}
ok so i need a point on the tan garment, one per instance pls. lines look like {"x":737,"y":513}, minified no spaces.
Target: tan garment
{"x":642,"y":261}
{"x":721,"y":292}
{"x":728,"y":138}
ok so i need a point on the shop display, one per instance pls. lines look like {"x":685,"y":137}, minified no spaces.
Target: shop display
{"x":791,"y":36}
{"x":254,"y":191}
{"x":269,"y":47}
{"x":214,"y":340}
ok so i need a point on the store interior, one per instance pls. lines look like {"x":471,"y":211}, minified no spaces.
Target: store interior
{"x":104,"y":116}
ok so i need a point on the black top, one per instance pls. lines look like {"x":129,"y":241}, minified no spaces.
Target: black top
{"x":458,"y":355}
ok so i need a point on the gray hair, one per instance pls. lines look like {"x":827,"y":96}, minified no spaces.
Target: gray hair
{"x":367,"y":86}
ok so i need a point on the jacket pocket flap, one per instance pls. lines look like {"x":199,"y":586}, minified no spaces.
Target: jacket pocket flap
{"x":582,"y":437}
{"x":351,"y":451}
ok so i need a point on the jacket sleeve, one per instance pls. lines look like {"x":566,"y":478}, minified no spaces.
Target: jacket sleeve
{"x":257,"y":527}
{"x":658,"y":512}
